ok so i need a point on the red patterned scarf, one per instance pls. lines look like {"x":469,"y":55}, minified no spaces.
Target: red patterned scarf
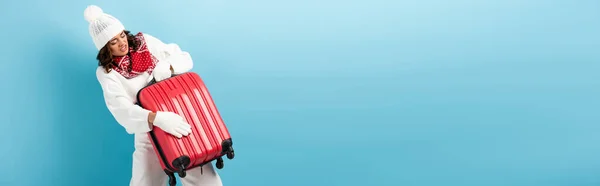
{"x":141,"y":60}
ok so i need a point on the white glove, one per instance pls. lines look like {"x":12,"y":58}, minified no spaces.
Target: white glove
{"x":172,"y":123}
{"x":162,"y":71}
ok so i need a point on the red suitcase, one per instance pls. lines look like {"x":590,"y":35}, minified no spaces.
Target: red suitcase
{"x":187,"y":95}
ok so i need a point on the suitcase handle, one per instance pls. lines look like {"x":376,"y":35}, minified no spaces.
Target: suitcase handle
{"x":153,"y":81}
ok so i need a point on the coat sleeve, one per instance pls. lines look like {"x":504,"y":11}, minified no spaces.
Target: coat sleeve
{"x":181,"y":61}
{"x":129,"y":115}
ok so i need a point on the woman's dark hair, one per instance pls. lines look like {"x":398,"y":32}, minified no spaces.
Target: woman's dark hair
{"x":105,"y":58}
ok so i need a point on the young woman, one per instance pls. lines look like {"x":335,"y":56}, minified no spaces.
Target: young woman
{"x":127,"y":63}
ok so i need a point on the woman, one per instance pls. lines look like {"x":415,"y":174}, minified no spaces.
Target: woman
{"x":126,"y":64}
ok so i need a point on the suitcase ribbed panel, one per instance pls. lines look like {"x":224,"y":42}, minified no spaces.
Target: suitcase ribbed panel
{"x":210,"y":111}
{"x":207,"y":120}
{"x":193,"y":117}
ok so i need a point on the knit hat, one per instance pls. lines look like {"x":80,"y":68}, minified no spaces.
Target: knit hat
{"x":103,"y":27}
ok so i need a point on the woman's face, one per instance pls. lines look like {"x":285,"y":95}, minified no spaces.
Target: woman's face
{"x":118,"y":45}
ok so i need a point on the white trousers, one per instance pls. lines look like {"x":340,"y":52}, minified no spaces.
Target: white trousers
{"x":146,"y":169}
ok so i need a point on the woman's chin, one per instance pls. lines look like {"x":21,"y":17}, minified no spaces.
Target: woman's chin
{"x":119,"y":54}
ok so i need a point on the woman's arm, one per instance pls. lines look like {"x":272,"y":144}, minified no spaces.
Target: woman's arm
{"x":180,"y":61}
{"x":132,"y":117}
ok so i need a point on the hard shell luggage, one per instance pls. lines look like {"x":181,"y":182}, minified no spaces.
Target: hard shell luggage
{"x":187,"y":95}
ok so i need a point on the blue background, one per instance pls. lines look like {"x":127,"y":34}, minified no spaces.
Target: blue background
{"x":378,"y":92}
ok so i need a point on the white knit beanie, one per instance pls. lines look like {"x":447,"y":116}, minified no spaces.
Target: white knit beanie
{"x":103,"y":27}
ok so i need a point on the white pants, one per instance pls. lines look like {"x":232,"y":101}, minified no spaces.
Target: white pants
{"x":146,"y":170}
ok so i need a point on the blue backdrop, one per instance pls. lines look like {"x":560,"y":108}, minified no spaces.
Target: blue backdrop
{"x":377,"y":92}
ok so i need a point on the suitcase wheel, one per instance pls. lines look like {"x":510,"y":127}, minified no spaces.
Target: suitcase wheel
{"x":228,"y":148}
{"x":219,"y":163}
{"x":230,"y":154}
{"x":181,"y":174}
{"x":181,"y":171}
{"x":180,"y":164}
{"x":172,"y":180}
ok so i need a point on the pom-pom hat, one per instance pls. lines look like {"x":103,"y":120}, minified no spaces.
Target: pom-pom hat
{"x":103,"y":27}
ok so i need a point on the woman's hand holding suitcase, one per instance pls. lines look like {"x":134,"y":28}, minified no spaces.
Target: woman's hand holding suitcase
{"x":172,"y":123}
